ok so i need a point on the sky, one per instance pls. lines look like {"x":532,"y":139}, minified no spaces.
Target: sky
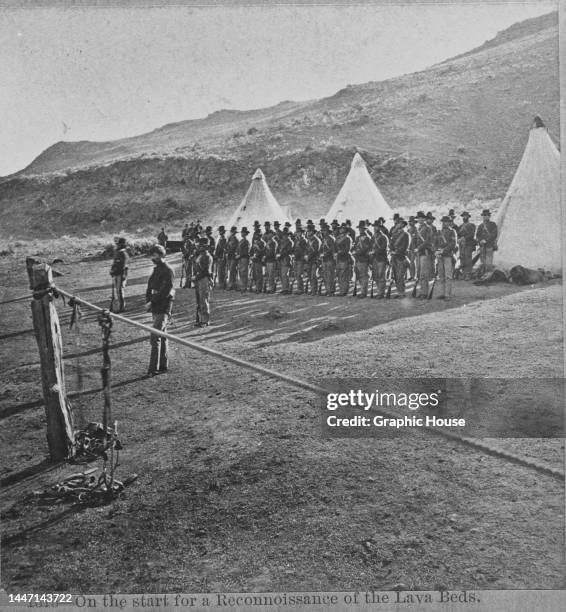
{"x":106,"y":72}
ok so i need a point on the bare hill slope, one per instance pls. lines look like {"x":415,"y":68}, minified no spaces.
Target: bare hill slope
{"x":453,"y":132}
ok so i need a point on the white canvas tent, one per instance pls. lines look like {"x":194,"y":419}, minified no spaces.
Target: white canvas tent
{"x":259,"y":204}
{"x":359,"y":198}
{"x":530,"y":216}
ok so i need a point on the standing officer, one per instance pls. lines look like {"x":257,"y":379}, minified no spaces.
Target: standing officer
{"x":446,"y":245}
{"x":162,"y":238}
{"x":412,"y":230}
{"x":361,"y":254}
{"x":220,"y":257}
{"x":119,"y":273}
{"x":231,"y":261}
{"x":486,"y":237}
{"x":189,"y":250}
{"x":424,"y":245}
{"x":467,"y":244}
{"x":203,"y":281}
{"x":159,"y":301}
{"x":378,"y":258}
{"x":243,"y":258}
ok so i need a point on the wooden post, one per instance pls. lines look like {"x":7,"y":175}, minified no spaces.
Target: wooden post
{"x":60,"y":430}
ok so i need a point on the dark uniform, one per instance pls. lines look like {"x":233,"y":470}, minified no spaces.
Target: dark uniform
{"x":344,"y":261}
{"x":328,"y":257}
{"x":220,"y":258}
{"x":300,"y":254}
{"x":271,"y":246}
{"x":231,"y":261}
{"x":257,"y":254}
{"x":313,"y":252}
{"x":399,"y":247}
{"x":424,"y":246}
{"x":160,"y":295}
{"x":243,"y":258}
{"x":362,"y":248}
{"x":378,"y":259}
{"x":446,"y":245}
{"x":467,"y":244}
{"x":486,"y":237}
{"x":284,"y":253}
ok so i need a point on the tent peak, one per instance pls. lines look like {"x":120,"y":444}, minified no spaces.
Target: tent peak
{"x":358,"y":161}
{"x":258,"y":174}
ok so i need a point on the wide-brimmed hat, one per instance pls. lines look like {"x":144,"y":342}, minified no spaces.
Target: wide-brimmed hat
{"x":361,"y":224}
{"x":121,"y":241}
{"x":446,"y":219}
{"x":485,"y":213}
{"x":420,"y":215}
{"x":411,"y":218}
{"x":233,"y":229}
{"x":208,"y":229}
{"x":402,"y":221}
{"x":451,"y":213}
{"x":430,"y":216}
{"x":465,"y":214}
{"x":276,"y":223}
{"x":157,"y":248}
{"x":221,"y":228}
{"x":257,"y":224}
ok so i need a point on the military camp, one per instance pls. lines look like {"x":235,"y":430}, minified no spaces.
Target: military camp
{"x":284,"y":325}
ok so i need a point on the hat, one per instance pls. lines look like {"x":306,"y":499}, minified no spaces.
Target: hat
{"x":361,"y":224}
{"x":451,"y":213}
{"x":430,"y":216}
{"x":298,"y":222}
{"x":208,"y":229}
{"x":446,"y":219}
{"x":411,"y":218}
{"x":157,"y":248}
{"x":276,"y":223}
{"x":267,"y":224}
{"x":465,"y":214}
{"x":343,"y":226}
{"x":334,"y":223}
{"x":420,"y":215}
{"x":221,"y":229}
{"x":244,"y":230}
{"x":348,"y":222}
{"x":287,"y":224}
{"x":121,"y":240}
{"x":203,"y":242}
{"x":256,"y":224}
{"x":395,"y":216}
{"x":402,"y":221}
{"x":233,"y":229}
{"x":485,"y":213}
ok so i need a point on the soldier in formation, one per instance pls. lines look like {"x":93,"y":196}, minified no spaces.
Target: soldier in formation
{"x":119,"y":274}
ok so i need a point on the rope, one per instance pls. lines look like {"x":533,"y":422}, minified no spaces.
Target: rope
{"x":301,"y":384}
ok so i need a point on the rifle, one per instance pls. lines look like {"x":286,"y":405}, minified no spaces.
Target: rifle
{"x":431,"y":290}
{"x":182,"y":272}
{"x":113,"y":295}
{"x":355,"y":293}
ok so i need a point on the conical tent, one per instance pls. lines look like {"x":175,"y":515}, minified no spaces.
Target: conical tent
{"x":359,"y":198}
{"x":530,"y":216}
{"x":259,"y":204}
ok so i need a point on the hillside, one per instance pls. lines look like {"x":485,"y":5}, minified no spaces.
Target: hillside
{"x":451,"y":133}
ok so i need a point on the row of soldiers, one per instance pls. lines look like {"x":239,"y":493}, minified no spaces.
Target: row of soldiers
{"x":323,"y":260}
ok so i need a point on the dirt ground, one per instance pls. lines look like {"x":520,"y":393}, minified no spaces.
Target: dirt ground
{"x":237,"y":488}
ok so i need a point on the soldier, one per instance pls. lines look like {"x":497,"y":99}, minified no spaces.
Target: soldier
{"x":257,"y":255}
{"x":412,"y":230}
{"x":243,"y":259}
{"x":268,"y":230}
{"x":277,"y":230}
{"x":453,"y":223}
{"x":211,"y":240}
{"x":328,"y":254}
{"x":299,"y":255}
{"x":424,"y":245}
{"x":257,"y":231}
{"x":486,"y":237}
{"x":378,"y":258}
{"x":162,"y":238}
{"x":394,"y":226}
{"x":313,"y":252}
{"x":399,"y":246}
{"x":383,"y":229}
{"x":362,"y":247}
{"x":446,"y":245}
{"x":467,"y":244}
{"x":344,"y":260}
{"x":231,"y":261}
{"x":185,"y":232}
{"x":159,"y":301}
{"x":284,"y":252}
{"x":335,"y":229}
{"x":350,"y":230}
{"x":220,"y":257}
{"x":271,"y":247}
{"x":189,"y":249}
{"x":119,"y":273}
{"x":203,"y":281}
{"x":430,"y":222}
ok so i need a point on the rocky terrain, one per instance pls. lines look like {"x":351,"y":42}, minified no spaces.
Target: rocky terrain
{"x":452,"y":133}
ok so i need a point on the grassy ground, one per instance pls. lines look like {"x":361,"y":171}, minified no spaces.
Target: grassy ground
{"x":238,"y":490}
